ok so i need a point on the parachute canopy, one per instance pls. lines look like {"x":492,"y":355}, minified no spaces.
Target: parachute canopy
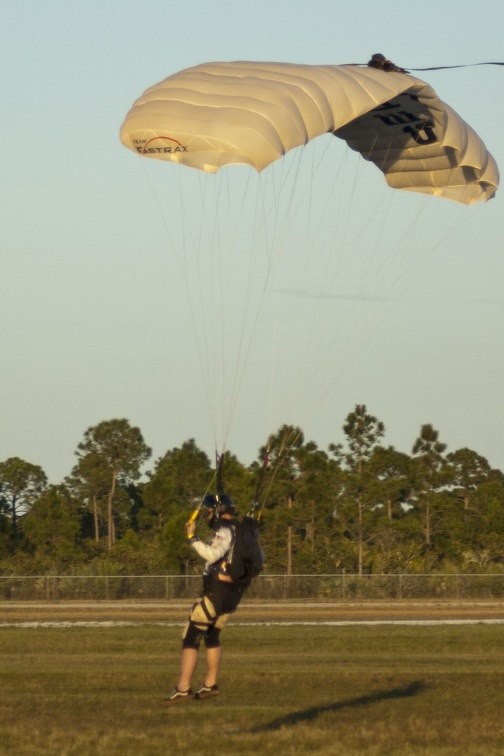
{"x":217,"y":114}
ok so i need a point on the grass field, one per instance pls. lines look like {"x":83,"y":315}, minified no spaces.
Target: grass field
{"x":284,"y":690}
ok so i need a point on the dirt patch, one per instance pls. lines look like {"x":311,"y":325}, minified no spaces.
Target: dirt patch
{"x":287,"y":611}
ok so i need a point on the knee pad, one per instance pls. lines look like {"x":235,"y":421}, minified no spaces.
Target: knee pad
{"x":199,"y":624}
{"x":192,"y":635}
{"x":211,"y":637}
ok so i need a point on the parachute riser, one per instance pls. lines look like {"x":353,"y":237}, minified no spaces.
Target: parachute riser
{"x":219,"y":472}
{"x":218,"y":478}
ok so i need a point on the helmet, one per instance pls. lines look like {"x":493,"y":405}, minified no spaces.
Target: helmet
{"x":220,"y":503}
{"x":225,"y":504}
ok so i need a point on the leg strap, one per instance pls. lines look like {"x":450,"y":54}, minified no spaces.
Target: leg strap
{"x":200,"y":623}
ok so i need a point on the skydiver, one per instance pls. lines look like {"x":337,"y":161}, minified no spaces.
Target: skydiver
{"x":219,"y":599}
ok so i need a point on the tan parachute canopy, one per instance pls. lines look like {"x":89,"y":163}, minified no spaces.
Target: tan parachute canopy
{"x":218,"y":114}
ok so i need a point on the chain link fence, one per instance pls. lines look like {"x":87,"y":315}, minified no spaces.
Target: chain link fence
{"x":341,"y":587}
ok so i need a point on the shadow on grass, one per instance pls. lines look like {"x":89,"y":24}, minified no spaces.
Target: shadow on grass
{"x":307,"y":715}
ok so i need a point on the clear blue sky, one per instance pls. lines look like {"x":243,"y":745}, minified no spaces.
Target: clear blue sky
{"x":93,"y":309}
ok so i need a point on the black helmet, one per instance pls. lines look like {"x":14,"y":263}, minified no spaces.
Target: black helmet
{"x":226,"y":504}
{"x":222,"y":503}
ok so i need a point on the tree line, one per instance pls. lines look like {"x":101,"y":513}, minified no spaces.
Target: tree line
{"x":359,"y":507}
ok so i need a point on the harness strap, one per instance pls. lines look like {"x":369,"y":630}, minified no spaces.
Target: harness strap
{"x":210,"y":617}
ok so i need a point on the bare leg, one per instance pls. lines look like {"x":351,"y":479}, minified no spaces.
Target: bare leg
{"x":213,"y":660}
{"x":187,"y":666}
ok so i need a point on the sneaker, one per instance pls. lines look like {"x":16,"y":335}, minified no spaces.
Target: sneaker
{"x":206,"y":691}
{"x":179,"y":695}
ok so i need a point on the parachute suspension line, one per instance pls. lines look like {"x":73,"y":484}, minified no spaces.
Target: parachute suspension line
{"x":394,"y":258}
{"x":282,"y":212}
{"x":282,"y":218}
{"x":217,"y":477}
{"x":299,"y":387}
{"x":298,"y":194}
{"x":201,"y":336}
{"x":213,"y":318}
{"x":195,"y":234}
{"x":380,"y":218}
{"x":212,"y":255}
{"x":273,"y":247}
{"x":229,"y":407}
{"x":377,"y":318}
{"x":343,"y":253}
{"x":270,"y":209}
{"x":181,"y":256}
{"x":327,"y":278}
{"x":305,"y":199}
{"x":401,"y":244}
{"x":219,"y":472}
{"x":455,"y":219}
{"x":162,"y":217}
{"x":332,"y":206}
{"x":363,"y":325}
{"x":210,"y":485}
{"x":245,"y":346}
{"x":391,"y":262}
{"x":245,"y":342}
{"x":255,"y":506}
{"x":192,"y":244}
{"x":225,"y":255}
{"x":218,"y":240}
{"x":430,"y":249}
{"x":316,"y":165}
{"x":308,"y":255}
{"x":372,"y":212}
{"x":222,"y":291}
{"x":251,"y":309}
{"x":288,"y":441}
{"x":249,"y":319}
{"x":198,"y":322}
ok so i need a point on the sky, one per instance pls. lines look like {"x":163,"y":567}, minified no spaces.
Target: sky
{"x":105,"y":315}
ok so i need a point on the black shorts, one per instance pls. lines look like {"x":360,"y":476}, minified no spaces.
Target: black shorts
{"x":224,"y":596}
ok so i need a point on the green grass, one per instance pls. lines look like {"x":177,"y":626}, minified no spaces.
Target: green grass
{"x":284,"y":690}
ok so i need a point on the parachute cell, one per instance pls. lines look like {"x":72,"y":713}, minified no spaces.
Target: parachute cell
{"x":217,"y":114}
